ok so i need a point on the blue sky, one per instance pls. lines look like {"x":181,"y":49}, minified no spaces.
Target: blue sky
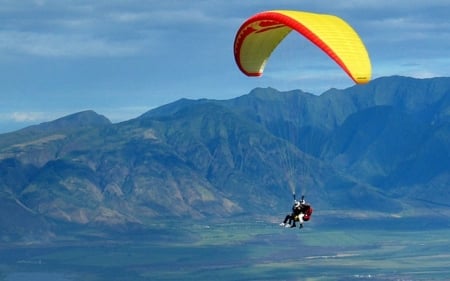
{"x":123,"y":58}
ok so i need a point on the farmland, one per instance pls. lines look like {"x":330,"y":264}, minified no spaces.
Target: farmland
{"x":237,"y":251}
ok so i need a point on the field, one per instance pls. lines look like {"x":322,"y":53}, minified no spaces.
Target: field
{"x":238,"y":251}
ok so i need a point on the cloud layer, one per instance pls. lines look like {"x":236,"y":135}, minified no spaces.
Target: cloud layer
{"x":65,"y":56}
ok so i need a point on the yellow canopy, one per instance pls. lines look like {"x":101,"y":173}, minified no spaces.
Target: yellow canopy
{"x":260,"y":34}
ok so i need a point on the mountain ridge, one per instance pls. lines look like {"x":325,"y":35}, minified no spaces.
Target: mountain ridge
{"x":373,"y":149}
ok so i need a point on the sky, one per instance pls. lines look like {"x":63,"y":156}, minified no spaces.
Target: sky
{"x":123,"y":58}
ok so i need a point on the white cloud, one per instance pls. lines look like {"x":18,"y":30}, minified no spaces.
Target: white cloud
{"x":60,"y":45}
{"x":11,"y":121}
{"x":19,"y":119}
{"x":26,"y":117}
{"x":153,"y":52}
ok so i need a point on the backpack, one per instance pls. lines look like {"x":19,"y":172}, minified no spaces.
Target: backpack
{"x":308,"y":214}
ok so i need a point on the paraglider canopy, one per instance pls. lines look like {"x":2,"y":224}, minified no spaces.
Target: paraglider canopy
{"x":260,"y":34}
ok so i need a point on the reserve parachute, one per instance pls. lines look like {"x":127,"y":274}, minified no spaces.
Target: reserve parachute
{"x":260,"y":34}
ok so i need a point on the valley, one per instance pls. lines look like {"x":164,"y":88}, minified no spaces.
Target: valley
{"x":239,"y":250}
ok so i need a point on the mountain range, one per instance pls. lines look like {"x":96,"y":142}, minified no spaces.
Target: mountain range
{"x":375,"y":150}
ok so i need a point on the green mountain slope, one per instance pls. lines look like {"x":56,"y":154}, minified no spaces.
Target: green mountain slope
{"x":373,"y":150}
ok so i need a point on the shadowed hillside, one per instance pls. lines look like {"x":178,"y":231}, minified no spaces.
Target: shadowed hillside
{"x":372,"y":150}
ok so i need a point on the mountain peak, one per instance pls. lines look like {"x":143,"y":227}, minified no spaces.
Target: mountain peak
{"x":372,"y":147}
{"x":79,"y":120}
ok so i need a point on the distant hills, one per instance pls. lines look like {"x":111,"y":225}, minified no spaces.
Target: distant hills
{"x":380,"y":149}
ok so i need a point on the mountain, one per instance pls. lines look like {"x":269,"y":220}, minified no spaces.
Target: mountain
{"x":377,"y":150}
{"x":392,"y":132}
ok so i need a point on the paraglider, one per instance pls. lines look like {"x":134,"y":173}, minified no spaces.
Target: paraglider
{"x":260,"y":34}
{"x":301,"y":212}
